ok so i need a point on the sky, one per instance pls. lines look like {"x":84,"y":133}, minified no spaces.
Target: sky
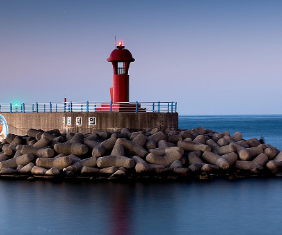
{"x":212,"y":57}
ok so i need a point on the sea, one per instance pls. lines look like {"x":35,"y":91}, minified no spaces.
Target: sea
{"x":219,"y":206}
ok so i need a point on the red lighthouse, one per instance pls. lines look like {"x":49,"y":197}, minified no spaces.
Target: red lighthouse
{"x":120,"y":58}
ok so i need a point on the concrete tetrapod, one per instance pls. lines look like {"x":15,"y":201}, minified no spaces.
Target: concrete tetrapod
{"x":140,"y":139}
{"x":79,"y":149}
{"x":63,"y":148}
{"x":32,"y":132}
{"x":3,"y":157}
{"x":108,"y":170}
{"x":109,"y":143}
{"x":165,"y":144}
{"x":171,"y":154}
{"x":200,"y":139}
{"x":247,"y":154}
{"x":77,"y":138}
{"x":75,"y":167}
{"x":214,"y":146}
{"x":26,"y":169}
{"x":7,"y":171}
{"x":223,"y":142}
{"x":132,"y":146}
{"x":118,"y":150}
{"x":150,"y":144}
{"x":156,"y":159}
{"x":45,"y":152}
{"x":25,"y":159}
{"x":62,"y":162}
{"x":173,"y":138}
{"x":237,"y":136}
{"x":215,"y":159}
{"x":43,"y":142}
{"x":254,"y":166}
{"x":188,"y":146}
{"x":210,"y":167}
{"x":8,"y":150}
{"x":231,"y":158}
{"x":225,"y":149}
{"x":253,"y":142}
{"x":271,"y":152}
{"x":91,"y":162}
{"x":71,"y":148}
{"x":118,"y":161}
{"x":157,"y":136}
{"x":276,"y":164}
{"x":17,"y":141}
{"x":98,"y":151}
{"x":91,"y":143}
{"x":29,"y":149}
{"x":36,"y":170}
{"x":141,"y":165}
{"x":52,"y":171}
{"x":89,"y":170}
{"x":11,"y":163}
{"x":44,"y":162}
{"x":195,"y":162}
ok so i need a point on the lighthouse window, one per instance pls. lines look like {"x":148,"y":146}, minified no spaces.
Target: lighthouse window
{"x":121,"y":69}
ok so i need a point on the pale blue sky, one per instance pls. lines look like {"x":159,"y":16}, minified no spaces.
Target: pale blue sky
{"x":212,"y":57}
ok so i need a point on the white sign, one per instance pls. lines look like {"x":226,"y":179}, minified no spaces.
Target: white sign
{"x":78,"y":121}
{"x":92,"y":121}
{"x":69,"y":121}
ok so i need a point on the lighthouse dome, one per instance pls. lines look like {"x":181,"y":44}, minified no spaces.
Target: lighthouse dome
{"x":121,"y":54}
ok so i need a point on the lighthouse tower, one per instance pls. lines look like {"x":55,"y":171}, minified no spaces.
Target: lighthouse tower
{"x":121,"y":59}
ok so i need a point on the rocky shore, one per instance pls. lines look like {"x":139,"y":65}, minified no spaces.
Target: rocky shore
{"x":181,"y":154}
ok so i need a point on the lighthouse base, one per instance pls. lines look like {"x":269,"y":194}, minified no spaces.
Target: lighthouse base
{"x":120,"y":108}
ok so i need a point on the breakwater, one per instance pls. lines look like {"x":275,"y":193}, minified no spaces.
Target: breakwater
{"x":195,"y":153}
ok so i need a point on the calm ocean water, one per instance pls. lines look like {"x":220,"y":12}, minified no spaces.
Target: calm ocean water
{"x":270,"y":126}
{"x":246,"y":206}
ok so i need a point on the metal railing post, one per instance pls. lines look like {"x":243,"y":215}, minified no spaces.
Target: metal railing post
{"x":32,"y":107}
{"x":87,"y":106}
{"x":11,"y":108}
{"x":94,"y":107}
{"x":50,"y":107}
{"x":111,"y":108}
{"x":171,"y":106}
{"x":56,"y":108}
{"x":43,"y":108}
{"x":136,"y":106}
{"x":159,"y":106}
{"x":153,"y":106}
{"x":71,"y":106}
{"x":81,"y":108}
{"x":36,"y":107}
{"x":65,"y":104}
{"x":175,"y":106}
{"x":167,"y":107}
